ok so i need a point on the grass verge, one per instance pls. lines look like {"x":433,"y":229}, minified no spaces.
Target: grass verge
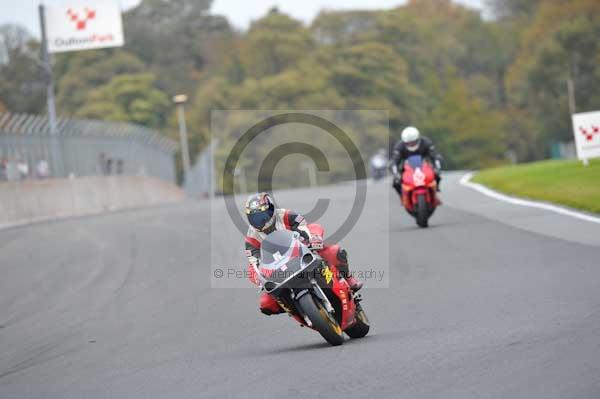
{"x":559,"y":181}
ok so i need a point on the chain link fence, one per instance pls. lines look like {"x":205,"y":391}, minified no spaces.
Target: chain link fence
{"x":81,"y":148}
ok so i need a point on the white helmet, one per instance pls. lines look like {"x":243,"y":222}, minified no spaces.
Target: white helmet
{"x":411,"y":137}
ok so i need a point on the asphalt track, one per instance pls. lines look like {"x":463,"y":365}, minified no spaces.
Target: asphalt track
{"x":492,"y":301}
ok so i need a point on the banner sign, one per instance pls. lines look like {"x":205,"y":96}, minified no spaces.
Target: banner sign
{"x":586,"y":127}
{"x":84,"y":26}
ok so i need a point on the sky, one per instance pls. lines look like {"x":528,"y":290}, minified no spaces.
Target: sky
{"x":239,"y":12}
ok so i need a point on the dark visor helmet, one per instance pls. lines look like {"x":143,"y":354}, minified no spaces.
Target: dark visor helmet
{"x":260,"y":211}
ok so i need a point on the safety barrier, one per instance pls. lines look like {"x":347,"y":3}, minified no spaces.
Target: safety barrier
{"x":33,"y":201}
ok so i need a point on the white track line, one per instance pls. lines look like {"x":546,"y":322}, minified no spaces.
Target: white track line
{"x":466,"y":181}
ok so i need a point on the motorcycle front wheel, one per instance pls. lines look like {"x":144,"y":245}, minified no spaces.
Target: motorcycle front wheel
{"x":422,"y":211}
{"x":322,"y":321}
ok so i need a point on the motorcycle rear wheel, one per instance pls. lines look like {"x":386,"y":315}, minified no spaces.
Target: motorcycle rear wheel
{"x":322,"y":321}
{"x":422,"y":211}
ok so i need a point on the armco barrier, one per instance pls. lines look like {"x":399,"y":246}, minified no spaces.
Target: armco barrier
{"x":33,"y":201}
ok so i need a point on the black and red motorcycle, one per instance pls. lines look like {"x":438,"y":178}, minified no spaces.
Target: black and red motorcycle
{"x":308,"y":289}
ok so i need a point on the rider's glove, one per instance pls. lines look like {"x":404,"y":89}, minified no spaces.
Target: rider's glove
{"x":315,"y":242}
{"x":438,"y":165}
{"x":396,"y":179}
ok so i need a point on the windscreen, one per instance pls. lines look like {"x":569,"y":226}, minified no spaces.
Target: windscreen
{"x":275,"y":247}
{"x":415,"y":161}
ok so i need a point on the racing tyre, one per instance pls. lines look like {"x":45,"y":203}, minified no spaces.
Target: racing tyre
{"x":322,"y":321}
{"x":422,"y":211}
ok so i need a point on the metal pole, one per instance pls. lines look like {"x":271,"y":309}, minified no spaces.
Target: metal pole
{"x":183,"y":138}
{"x":55,"y":150}
{"x":571,"y":93}
{"x":573,"y":104}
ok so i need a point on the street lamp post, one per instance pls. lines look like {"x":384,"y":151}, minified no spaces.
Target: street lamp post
{"x":180,"y":101}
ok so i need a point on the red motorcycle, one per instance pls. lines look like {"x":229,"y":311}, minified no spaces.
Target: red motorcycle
{"x":308,"y":289}
{"x":419,"y":189}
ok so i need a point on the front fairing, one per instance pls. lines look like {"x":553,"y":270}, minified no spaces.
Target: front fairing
{"x":417,"y":173}
{"x":285,"y":261}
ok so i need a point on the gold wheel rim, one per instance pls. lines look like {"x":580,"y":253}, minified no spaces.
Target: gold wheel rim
{"x":335,"y":325}
{"x":363,"y":317}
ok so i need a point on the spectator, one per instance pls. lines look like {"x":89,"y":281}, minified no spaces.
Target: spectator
{"x":102,"y":164}
{"x":12,"y":172}
{"x":23,"y":168}
{"x":120,"y":166}
{"x":109,"y":166}
{"x":43,"y":169}
{"x":3,"y":166}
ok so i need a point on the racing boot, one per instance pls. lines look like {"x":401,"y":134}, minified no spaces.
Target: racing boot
{"x":355,"y":284}
{"x":344,"y":269}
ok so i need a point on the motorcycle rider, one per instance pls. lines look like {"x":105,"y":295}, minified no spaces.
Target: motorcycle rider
{"x":412,"y":143}
{"x":379,"y":163}
{"x":264,"y":218}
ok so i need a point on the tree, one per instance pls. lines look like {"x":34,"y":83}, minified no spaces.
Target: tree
{"x":468,"y":134}
{"x":396,"y":60}
{"x":274,"y":43}
{"x":80,"y":73}
{"x":549,"y":56}
{"x":342,"y":28}
{"x":186,"y":29}
{"x":130,"y":98}
{"x":371,"y":75}
{"x":505,"y":9}
{"x":22,"y":87}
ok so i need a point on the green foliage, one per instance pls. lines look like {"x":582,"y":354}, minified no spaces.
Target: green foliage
{"x":549,"y":55}
{"x":80,"y":73}
{"x":507,"y":9}
{"x":128,"y":98}
{"x":176,"y":39}
{"x":273,"y":44}
{"x":468,"y":134}
{"x":21,"y":85}
{"x":431,"y":63}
